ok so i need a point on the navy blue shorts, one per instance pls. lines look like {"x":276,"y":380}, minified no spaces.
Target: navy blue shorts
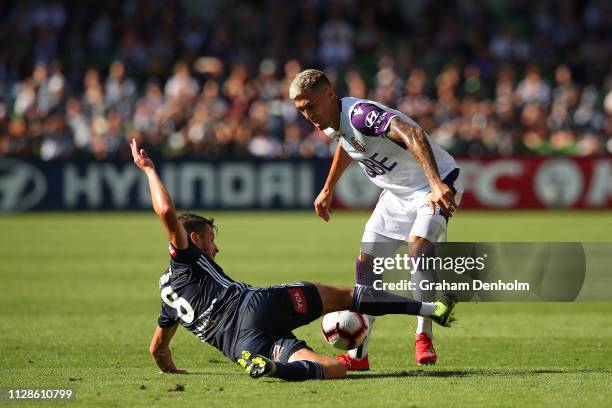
{"x":270,"y":315}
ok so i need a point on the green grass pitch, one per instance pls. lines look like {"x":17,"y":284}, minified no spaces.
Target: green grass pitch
{"x":80,"y":300}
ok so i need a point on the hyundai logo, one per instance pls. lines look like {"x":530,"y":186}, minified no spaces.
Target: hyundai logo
{"x":22,"y":185}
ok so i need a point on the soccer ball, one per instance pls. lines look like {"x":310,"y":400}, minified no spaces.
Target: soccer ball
{"x":344,"y":330}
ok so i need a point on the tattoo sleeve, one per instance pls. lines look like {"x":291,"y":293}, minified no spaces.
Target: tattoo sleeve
{"x":417,"y":143}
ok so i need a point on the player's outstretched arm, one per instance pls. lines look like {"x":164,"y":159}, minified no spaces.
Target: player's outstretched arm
{"x":160,"y":349}
{"x":162,"y":202}
{"x":416,"y":141}
{"x":323,"y":201}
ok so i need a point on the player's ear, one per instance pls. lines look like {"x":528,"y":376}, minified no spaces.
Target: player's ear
{"x":194,"y":237}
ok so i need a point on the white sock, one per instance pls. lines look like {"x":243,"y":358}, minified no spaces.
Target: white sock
{"x":427,"y":309}
{"x":424,"y":324}
{"x":361,"y":352}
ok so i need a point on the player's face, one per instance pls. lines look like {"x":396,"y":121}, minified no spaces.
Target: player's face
{"x":319,"y":107}
{"x":206,"y":242}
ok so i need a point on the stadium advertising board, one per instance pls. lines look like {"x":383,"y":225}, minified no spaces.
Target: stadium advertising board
{"x":116,"y":185}
{"x":110,"y":185}
{"x":537,"y":183}
{"x":556,"y":182}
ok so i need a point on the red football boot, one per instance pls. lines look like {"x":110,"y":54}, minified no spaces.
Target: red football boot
{"x":424,"y":352}
{"x":352,"y":364}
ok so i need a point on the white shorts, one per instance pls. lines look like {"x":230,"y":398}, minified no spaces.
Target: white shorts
{"x":398,"y":218}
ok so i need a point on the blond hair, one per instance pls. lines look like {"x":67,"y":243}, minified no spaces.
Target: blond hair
{"x":307,"y":80}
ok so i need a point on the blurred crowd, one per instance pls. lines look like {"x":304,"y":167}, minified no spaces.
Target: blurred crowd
{"x":508,"y":77}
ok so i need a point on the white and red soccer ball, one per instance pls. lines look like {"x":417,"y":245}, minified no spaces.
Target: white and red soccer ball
{"x":344,"y":330}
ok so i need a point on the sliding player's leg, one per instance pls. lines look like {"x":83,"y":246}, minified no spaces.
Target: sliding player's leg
{"x":306,"y":364}
{"x":261,"y":353}
{"x":367,"y":300}
{"x":302,"y":364}
{"x":332,"y":369}
{"x":289,"y":359}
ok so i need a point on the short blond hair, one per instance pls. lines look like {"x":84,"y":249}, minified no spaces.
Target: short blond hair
{"x":307,"y":80}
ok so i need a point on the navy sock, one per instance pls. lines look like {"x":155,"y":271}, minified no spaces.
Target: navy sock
{"x":367,"y":300}
{"x":299,"y":371}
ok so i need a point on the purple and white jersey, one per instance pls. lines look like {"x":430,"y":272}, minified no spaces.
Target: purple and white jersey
{"x":389,"y":164}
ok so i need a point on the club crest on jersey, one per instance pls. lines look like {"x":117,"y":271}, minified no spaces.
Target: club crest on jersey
{"x":358,"y":145}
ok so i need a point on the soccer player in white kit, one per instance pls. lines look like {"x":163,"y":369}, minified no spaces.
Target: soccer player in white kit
{"x":419,"y":179}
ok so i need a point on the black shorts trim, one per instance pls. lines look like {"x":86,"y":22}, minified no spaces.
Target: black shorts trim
{"x":449,"y":180}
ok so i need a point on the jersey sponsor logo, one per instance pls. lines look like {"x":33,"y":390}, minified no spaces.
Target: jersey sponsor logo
{"x":380,"y":123}
{"x":358,"y":145}
{"x":377,"y":167}
{"x":371,"y":118}
{"x":299,"y":300}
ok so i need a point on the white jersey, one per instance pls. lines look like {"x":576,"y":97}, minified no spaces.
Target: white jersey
{"x":389,"y":164}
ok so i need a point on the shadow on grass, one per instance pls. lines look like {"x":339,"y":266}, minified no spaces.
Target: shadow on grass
{"x":238,"y":373}
{"x":478,"y":373}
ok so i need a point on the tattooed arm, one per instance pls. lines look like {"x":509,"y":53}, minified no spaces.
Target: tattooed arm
{"x":419,"y":146}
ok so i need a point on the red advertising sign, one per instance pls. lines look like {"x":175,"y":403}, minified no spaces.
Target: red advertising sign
{"x":499,"y":183}
{"x":537,"y":183}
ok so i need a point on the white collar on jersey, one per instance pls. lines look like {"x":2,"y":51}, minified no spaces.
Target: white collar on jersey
{"x":332,"y":133}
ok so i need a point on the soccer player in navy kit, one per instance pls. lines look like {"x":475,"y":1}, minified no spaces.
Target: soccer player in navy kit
{"x":251,"y":326}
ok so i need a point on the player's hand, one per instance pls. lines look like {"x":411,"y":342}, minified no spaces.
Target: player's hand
{"x":442,"y":196}
{"x":141,"y":158}
{"x":322,"y":204}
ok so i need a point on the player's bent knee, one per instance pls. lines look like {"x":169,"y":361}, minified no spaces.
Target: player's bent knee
{"x":418,"y":245}
{"x":327,"y":291}
{"x":335,"y":297}
{"x":416,"y":239}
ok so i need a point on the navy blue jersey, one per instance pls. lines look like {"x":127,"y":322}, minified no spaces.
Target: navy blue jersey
{"x":197,"y":293}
